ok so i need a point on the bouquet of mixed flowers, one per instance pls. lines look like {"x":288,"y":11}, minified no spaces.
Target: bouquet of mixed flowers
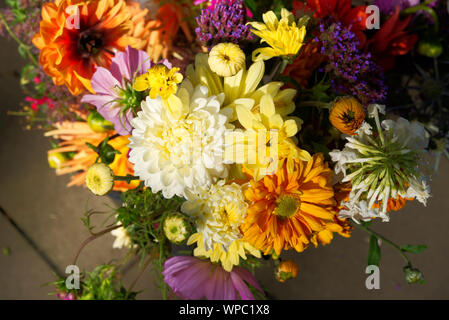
{"x":237,"y":128}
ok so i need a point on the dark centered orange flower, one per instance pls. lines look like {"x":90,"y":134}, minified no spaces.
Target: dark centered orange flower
{"x":347,"y":115}
{"x":291,"y":210}
{"x":70,"y":53}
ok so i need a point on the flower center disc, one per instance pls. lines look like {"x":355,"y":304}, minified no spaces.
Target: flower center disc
{"x":287,"y":206}
{"x":89,"y":42}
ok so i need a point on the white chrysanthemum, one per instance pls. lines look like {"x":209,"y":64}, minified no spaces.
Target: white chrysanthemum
{"x":218,"y":214}
{"x":122,"y":239}
{"x":177,"y":144}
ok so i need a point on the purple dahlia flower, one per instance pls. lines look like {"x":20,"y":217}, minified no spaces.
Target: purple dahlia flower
{"x":192,"y":278}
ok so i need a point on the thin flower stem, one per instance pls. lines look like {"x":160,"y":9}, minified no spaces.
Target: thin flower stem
{"x":141,"y":272}
{"x":91,"y":238}
{"x":21,"y":44}
{"x":128,"y":178}
{"x":391,"y":243}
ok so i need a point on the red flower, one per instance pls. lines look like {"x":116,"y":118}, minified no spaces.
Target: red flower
{"x":391,"y":40}
{"x":341,"y":10}
{"x":35,"y":103}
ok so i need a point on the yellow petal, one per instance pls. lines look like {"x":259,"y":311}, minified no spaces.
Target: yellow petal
{"x":253,"y":77}
{"x":264,"y":54}
{"x":245,"y":117}
{"x":267,"y":105}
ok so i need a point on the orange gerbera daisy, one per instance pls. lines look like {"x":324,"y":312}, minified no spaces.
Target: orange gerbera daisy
{"x":347,"y":115}
{"x":70,"y":52}
{"x":291,"y":210}
{"x":74,"y":136}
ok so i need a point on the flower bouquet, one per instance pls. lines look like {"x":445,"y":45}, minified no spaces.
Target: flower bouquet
{"x":236,"y":130}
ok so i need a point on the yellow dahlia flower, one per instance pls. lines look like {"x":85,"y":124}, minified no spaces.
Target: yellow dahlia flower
{"x":283,"y":36}
{"x":242,"y":88}
{"x":218,"y":213}
{"x":267,"y":139}
{"x":226,"y":59}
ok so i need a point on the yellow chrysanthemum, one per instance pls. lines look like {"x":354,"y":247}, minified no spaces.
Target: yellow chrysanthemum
{"x":99,"y":179}
{"x":283,"y":36}
{"x":160,"y":80}
{"x":226,"y":59}
{"x":218,"y":213}
{"x":267,"y":139}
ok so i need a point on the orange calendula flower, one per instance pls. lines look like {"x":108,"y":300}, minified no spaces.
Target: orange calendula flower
{"x":291,"y":210}
{"x":287,"y":269}
{"x":77,"y":36}
{"x":347,"y":115}
{"x":74,"y":136}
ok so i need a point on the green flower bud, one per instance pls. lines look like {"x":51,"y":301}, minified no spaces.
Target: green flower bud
{"x":431,"y":49}
{"x":97,"y":123}
{"x":176,"y":228}
{"x":55,"y":160}
{"x":413,"y":275}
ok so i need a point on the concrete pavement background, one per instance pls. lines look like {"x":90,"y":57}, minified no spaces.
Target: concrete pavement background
{"x":49,"y":213}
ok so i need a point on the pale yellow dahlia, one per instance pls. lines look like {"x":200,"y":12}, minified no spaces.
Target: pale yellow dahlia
{"x":283,"y":36}
{"x":218,"y":213}
{"x":242,"y":88}
{"x":267,"y":138}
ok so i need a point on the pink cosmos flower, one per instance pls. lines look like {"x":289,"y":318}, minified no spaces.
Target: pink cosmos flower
{"x":114,"y":97}
{"x":192,"y":278}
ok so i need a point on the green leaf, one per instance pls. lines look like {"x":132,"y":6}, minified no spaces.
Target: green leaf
{"x":374,"y":251}
{"x":23,"y":51}
{"x":12,"y":3}
{"x":414,"y":248}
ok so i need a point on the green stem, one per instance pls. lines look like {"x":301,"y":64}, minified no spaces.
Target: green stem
{"x":21,"y":44}
{"x":391,"y":243}
{"x":318,"y":104}
{"x":128,"y":178}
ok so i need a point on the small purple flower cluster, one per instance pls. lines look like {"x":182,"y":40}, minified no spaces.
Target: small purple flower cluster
{"x":351,"y":71}
{"x":224,"y":22}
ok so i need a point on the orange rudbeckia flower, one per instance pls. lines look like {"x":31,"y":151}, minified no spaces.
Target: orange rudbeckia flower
{"x":70,"y":51}
{"x":74,"y":136}
{"x":291,"y":210}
